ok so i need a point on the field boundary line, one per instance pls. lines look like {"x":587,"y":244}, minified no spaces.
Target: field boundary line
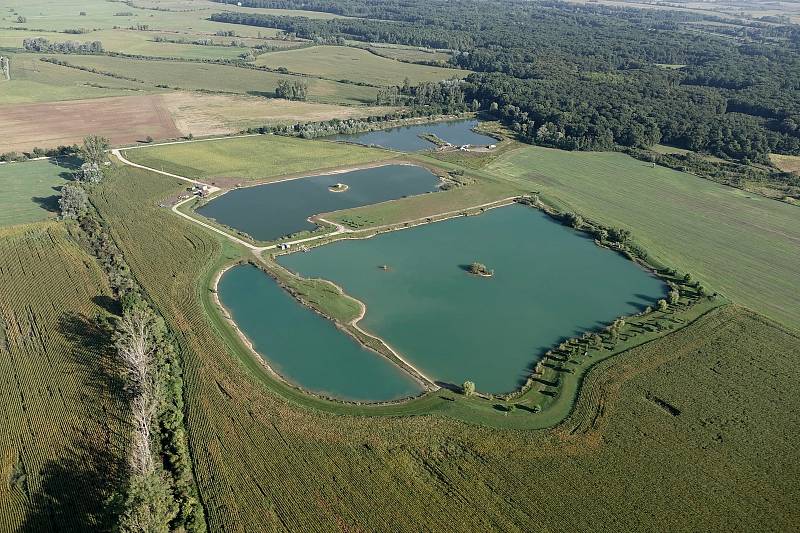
{"x":184,"y":141}
{"x":116,"y":152}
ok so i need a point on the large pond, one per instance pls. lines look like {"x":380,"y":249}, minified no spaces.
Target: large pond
{"x":407,"y":138}
{"x":268,"y":212}
{"x":550,"y":282}
{"x":306,"y":348}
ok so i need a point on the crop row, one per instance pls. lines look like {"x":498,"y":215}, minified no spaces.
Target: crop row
{"x":60,"y":437}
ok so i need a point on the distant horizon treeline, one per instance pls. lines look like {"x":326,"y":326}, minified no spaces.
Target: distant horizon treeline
{"x":590,"y":77}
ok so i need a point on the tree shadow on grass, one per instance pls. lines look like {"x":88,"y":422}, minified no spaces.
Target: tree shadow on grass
{"x":75,"y":490}
{"x":48,"y":203}
{"x":263,"y":94}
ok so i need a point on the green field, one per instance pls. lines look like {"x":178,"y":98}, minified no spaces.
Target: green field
{"x":30,"y":191}
{"x":36,"y":81}
{"x":132,"y":42}
{"x":406,"y":53}
{"x":744,"y":246}
{"x":428,"y":472}
{"x":256,"y":157}
{"x":63,"y":440}
{"x":354,"y":64}
{"x":178,"y":15}
{"x":218,"y":78}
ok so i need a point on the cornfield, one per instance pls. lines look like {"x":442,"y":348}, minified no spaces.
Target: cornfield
{"x":264,"y":463}
{"x":61,"y":440}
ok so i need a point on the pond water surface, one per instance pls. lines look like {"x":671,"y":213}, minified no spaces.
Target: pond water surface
{"x":304,"y":347}
{"x":550,"y":282}
{"x":273,"y":210}
{"x":407,"y":138}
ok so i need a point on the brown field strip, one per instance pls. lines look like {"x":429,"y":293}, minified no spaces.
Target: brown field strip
{"x":123,"y":119}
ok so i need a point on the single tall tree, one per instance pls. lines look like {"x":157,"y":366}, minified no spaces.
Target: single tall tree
{"x":94,"y":149}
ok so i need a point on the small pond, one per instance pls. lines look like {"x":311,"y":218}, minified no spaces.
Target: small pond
{"x":306,"y":348}
{"x":273,"y":210}
{"x":407,"y":138}
{"x":549,"y":283}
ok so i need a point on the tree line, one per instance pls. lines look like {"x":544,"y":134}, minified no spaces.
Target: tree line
{"x":590,"y":77}
{"x":40,"y":44}
{"x":158,"y":493}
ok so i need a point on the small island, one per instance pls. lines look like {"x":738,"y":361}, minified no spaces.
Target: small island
{"x":339,"y":187}
{"x":479,"y":269}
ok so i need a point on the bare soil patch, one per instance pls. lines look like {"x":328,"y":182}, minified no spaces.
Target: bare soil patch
{"x":123,"y":119}
{"x":209,"y":114}
{"x":787,"y":163}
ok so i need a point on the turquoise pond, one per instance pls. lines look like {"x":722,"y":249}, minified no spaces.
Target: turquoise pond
{"x":273,"y":210}
{"x":550,"y":283}
{"x":407,"y":138}
{"x":304,"y":347}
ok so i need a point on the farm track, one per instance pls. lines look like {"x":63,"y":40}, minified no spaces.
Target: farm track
{"x":340,"y":229}
{"x":263,"y":462}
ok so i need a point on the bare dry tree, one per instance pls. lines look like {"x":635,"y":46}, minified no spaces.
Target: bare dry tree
{"x":135,"y":346}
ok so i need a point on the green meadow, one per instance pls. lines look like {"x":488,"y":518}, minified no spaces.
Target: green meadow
{"x":30,"y":191}
{"x":742,"y":245}
{"x":256,"y":157}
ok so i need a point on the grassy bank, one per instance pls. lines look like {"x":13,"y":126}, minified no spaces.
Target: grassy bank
{"x":742,"y":245}
{"x":30,"y":191}
{"x":256,"y":157}
{"x":282,"y":449}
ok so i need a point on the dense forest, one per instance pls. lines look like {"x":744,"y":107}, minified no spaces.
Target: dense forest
{"x":588,"y":78}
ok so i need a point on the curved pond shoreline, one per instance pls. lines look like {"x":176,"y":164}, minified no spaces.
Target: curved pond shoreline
{"x":389,"y":384}
{"x":547,"y":286}
{"x":529,"y":358}
{"x":271,"y":211}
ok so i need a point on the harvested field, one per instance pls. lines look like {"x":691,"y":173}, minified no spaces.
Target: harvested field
{"x":206,"y":114}
{"x":125,"y":119}
{"x":787,"y":163}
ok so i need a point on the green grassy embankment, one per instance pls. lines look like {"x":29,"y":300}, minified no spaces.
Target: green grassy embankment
{"x":281,"y":451}
{"x":30,"y":190}
{"x":742,"y":245}
{"x":253,"y":158}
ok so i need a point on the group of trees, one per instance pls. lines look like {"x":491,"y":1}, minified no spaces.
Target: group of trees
{"x":40,"y":44}
{"x":446,"y":96}
{"x":292,"y":90}
{"x":158,"y":492}
{"x":590,"y":77}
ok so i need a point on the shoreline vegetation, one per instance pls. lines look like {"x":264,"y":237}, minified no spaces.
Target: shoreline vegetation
{"x":686,"y":299}
{"x":550,"y":367}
